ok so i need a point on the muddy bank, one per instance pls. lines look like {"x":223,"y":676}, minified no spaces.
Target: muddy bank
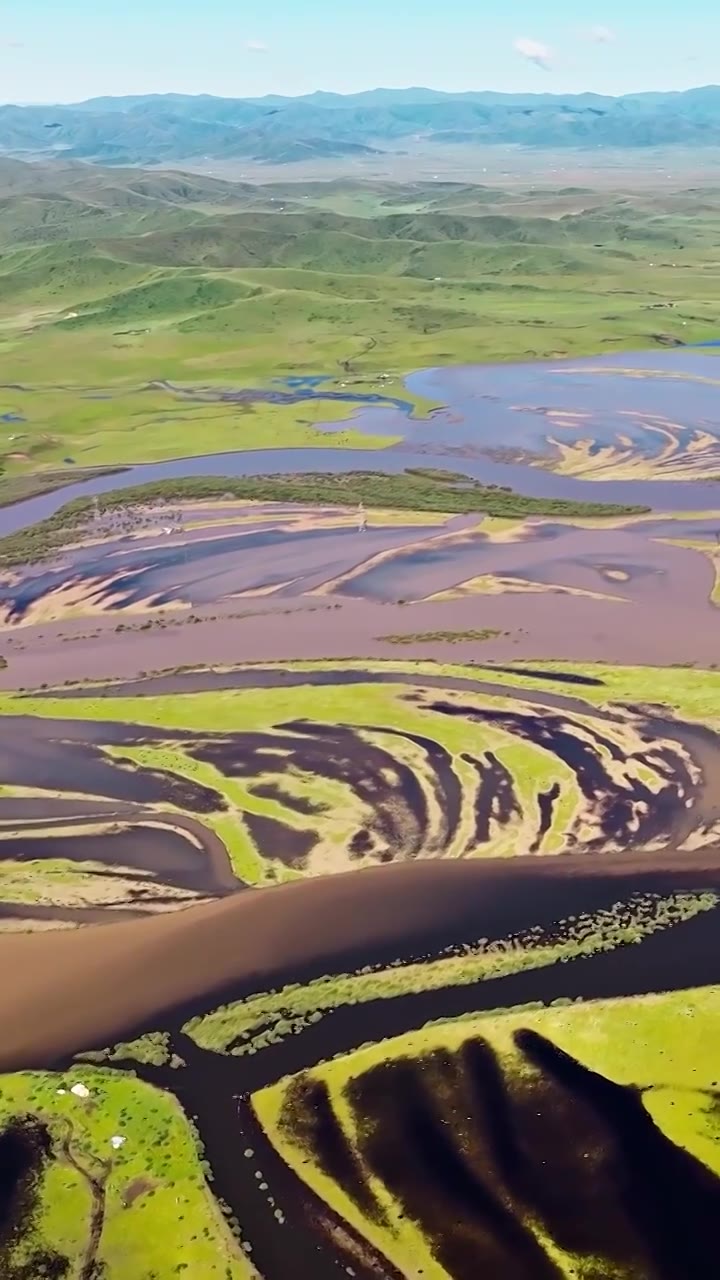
{"x":281,"y":585}
{"x":122,"y":843}
{"x":287,"y":557}
{"x":164,"y":847}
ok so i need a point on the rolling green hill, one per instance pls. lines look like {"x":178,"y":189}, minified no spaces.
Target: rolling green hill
{"x":167,"y":296}
{"x":130,"y":245}
{"x":114,"y":280}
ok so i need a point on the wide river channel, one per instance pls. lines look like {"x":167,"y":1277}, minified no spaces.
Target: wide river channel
{"x":641,"y":403}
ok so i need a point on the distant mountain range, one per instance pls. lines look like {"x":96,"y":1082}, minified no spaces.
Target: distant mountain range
{"x":167,"y":128}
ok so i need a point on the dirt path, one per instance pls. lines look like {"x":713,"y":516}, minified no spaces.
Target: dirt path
{"x":96,"y":1184}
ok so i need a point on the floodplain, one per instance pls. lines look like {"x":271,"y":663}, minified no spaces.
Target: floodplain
{"x":360,"y":741}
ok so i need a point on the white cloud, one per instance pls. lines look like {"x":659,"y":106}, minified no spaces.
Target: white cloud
{"x":256,"y":46}
{"x":534,"y":51}
{"x":601,"y":35}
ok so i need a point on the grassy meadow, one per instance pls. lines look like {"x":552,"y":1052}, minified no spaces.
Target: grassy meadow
{"x":159,"y":1216}
{"x":99,"y":306}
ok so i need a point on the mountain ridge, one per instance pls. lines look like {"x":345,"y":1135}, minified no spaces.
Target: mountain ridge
{"x":171,"y":128}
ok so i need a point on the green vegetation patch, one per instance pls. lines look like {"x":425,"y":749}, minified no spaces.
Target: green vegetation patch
{"x":250,"y":1025}
{"x":163,"y":297}
{"x":159,"y":1218}
{"x":693,"y":692}
{"x":442,"y":637}
{"x":290,"y":814}
{"x":152,"y":1049}
{"x":409,"y":490}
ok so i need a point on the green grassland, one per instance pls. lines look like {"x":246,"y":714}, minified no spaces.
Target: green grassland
{"x":666,"y":1044}
{"x":341,"y":812}
{"x":390,"y":717}
{"x":692,"y":693}
{"x":106,"y":298}
{"x":160,"y":1219}
{"x":621,"y":1038}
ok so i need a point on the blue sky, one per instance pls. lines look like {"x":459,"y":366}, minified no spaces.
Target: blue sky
{"x":66,"y":50}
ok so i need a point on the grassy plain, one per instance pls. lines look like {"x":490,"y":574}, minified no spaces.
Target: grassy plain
{"x":95,"y":314}
{"x":160,"y":1218}
{"x":692,"y":692}
{"x":624,"y":1039}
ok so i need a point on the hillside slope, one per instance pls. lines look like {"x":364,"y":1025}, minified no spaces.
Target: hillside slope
{"x":80,"y":245}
